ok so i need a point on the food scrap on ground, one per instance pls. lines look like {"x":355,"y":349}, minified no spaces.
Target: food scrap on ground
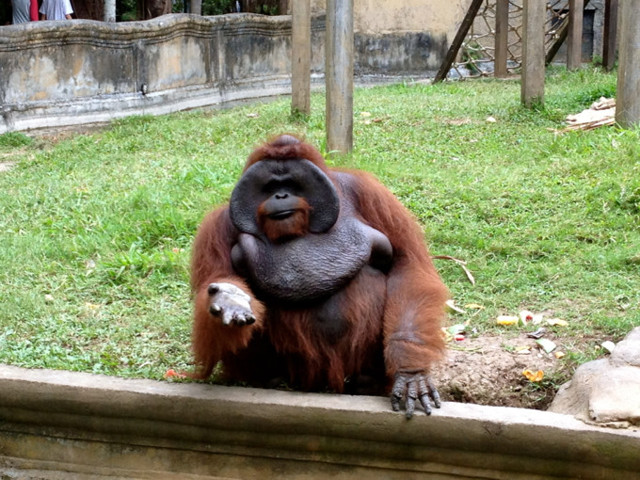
{"x":507,"y":320}
{"x":546,"y":345}
{"x":532,"y":376}
{"x":608,"y":346}
{"x":172,"y":374}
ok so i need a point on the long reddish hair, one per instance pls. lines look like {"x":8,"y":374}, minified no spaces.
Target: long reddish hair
{"x":285,"y":147}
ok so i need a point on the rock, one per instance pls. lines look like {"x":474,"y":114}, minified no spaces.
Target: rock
{"x":615,"y":396}
{"x":606,"y":392}
{"x":627,"y":352}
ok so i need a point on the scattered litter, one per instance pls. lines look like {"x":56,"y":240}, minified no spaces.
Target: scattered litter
{"x":474,"y":306}
{"x":557,"y":322}
{"x":365,"y":114}
{"x":559,"y":355}
{"x":460,"y":348}
{"x":451,"y":305}
{"x":457,"y":329}
{"x":454,"y":332}
{"x":507,"y":320}
{"x":608,"y":346}
{"x":523,"y":350}
{"x":527,"y":317}
{"x":253,"y":115}
{"x":171,"y":373}
{"x":538,"y":334}
{"x":462,"y":264}
{"x":547,"y":345}
{"x":533,"y":376}
{"x":491,"y":119}
{"x":48,"y":298}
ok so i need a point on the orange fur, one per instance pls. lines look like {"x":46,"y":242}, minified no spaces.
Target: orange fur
{"x":390,"y":322}
{"x":284,"y":150}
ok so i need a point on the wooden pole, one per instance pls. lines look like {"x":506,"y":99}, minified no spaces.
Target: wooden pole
{"x":561,"y":37}
{"x":501,"y":38}
{"x":610,"y":34}
{"x":301,"y":57}
{"x":532,"y":88}
{"x":628,"y":93}
{"x":457,"y":41}
{"x":339,"y":75}
{"x":574,"y":44}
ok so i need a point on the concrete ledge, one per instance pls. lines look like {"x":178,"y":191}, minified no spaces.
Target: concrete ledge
{"x":55,"y":423}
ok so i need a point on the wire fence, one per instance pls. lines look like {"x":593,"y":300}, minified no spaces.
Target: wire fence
{"x":477,"y":55}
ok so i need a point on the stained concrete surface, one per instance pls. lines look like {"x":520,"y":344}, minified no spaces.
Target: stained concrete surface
{"x":91,"y":426}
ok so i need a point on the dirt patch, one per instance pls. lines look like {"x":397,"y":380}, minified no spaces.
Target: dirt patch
{"x":487,"y":370}
{"x":56,"y":134}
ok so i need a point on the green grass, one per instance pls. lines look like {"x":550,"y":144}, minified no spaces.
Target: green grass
{"x":96,"y":229}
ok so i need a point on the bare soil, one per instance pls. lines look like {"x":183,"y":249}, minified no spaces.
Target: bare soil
{"x":488,"y":370}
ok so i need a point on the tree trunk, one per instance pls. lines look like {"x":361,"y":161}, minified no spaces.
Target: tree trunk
{"x":89,"y":9}
{"x":277,"y":7}
{"x":110,"y":11}
{"x":196,"y":7}
{"x":153,"y":8}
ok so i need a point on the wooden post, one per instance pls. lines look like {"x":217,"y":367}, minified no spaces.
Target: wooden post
{"x":501,"y":38}
{"x":532,"y":88}
{"x":457,"y":41}
{"x":628,"y":92}
{"x":339,"y":75}
{"x":574,"y":44}
{"x":610,"y":37}
{"x":301,"y":57}
{"x":561,"y":37}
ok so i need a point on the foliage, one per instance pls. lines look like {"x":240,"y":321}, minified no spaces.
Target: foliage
{"x":14,"y":139}
{"x":217,"y":7}
{"x":96,"y":228}
{"x":209,"y":7}
{"x":126,"y":10}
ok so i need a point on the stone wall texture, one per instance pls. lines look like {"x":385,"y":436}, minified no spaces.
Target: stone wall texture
{"x":81,"y":71}
{"x":58,"y":425}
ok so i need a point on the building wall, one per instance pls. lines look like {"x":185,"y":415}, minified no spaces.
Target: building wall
{"x":438,"y":17}
{"x":83,"y":71}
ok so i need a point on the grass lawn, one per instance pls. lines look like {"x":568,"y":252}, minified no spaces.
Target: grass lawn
{"x":96,"y":228}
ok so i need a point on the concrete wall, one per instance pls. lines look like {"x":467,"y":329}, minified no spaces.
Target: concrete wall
{"x":79,"y":71}
{"x":57,"y":425}
{"x":373,"y":17}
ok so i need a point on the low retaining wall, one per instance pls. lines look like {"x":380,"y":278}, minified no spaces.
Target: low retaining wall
{"x":81,"y":71}
{"x":57,"y":424}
